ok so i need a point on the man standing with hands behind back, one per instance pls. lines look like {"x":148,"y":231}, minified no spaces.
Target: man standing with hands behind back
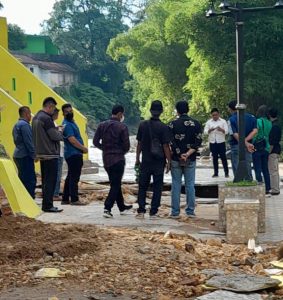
{"x":217,"y":128}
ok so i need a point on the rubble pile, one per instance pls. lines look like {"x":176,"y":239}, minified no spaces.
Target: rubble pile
{"x":121,"y":261}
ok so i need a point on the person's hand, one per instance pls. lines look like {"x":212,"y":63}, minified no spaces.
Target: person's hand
{"x":85,"y":150}
{"x":250,"y":147}
{"x":184,"y":156}
{"x":168,"y":167}
{"x":211,"y":129}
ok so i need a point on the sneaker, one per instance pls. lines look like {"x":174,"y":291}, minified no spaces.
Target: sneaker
{"x":174,"y":217}
{"x":107,"y":214}
{"x":65,"y":202}
{"x":214,"y":176}
{"x":275,"y":193}
{"x":140,"y":216}
{"x":126,"y":209}
{"x":268,"y":195}
{"x":191,"y":216}
{"x":154,"y":217}
{"x":78,"y":203}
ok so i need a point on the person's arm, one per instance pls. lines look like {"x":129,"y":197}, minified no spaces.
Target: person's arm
{"x":27,"y":138}
{"x":198,"y":141}
{"x":125,"y":140}
{"x":138,"y":153}
{"x":139,"y":145}
{"x":97,"y":138}
{"x":77,"y":144}
{"x":206,"y":128}
{"x":53,"y":132}
{"x":167,"y":153}
{"x":251,"y":135}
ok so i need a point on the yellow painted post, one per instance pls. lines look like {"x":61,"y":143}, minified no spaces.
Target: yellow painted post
{"x":3,"y":33}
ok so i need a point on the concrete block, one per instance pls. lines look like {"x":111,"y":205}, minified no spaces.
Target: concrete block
{"x":241,"y":220}
{"x":245,"y":192}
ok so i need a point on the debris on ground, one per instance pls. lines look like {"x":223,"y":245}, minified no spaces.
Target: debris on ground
{"x":121,"y":261}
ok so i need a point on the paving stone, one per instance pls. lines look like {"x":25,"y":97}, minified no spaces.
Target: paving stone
{"x":225,"y":295}
{"x":242,"y":282}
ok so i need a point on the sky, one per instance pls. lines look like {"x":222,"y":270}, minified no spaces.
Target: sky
{"x":28,"y":14}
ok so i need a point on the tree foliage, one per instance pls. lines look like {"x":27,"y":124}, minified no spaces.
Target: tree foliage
{"x":82,"y":30}
{"x":207,"y":73}
{"x":157,"y":65}
{"x":16,"y":37}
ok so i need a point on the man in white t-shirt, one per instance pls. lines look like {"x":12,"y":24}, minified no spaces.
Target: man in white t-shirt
{"x":217,"y":128}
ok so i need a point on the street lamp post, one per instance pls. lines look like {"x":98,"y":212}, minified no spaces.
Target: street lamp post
{"x":237,"y":12}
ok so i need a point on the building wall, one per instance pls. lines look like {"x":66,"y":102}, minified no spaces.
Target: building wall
{"x":27,"y":89}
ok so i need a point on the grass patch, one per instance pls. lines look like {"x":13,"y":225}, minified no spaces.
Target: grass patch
{"x":241,"y":183}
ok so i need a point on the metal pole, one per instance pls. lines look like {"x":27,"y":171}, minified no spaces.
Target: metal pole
{"x":242,"y":170}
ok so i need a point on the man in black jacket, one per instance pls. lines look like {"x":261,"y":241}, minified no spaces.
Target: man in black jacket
{"x":275,"y":150}
{"x":153,"y":163}
{"x":46,"y":138}
{"x":186,"y":139}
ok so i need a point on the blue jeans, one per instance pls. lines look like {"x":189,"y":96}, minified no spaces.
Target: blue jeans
{"x":260,"y":162}
{"x":235,"y":160}
{"x":59,"y":175}
{"x":177,"y":172}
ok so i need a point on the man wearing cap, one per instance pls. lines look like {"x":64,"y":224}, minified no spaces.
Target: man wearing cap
{"x":185,"y":140}
{"x":153,"y":143}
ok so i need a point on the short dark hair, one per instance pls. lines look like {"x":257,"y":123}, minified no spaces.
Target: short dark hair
{"x":262,"y":111}
{"x":117,"y":109}
{"x":66,"y":105}
{"x":232,"y":104}
{"x":182,"y":107}
{"x":49,"y":100}
{"x":23,"y":110}
{"x":273,"y":112}
{"x":214,"y":110}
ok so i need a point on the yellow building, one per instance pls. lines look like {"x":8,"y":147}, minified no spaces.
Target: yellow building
{"x":18,"y":87}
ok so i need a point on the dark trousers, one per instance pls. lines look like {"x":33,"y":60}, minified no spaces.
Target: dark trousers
{"x":115,"y":174}
{"x":49,"y":169}
{"x":157,"y":172}
{"x":260,"y":163}
{"x":26,"y":173}
{"x":219,"y":150}
{"x":75,"y":164}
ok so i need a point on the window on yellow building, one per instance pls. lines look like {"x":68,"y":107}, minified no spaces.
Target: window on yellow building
{"x":14,"y":84}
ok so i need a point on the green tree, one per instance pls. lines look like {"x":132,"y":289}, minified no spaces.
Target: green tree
{"x":158,"y":66}
{"x":207,"y":73}
{"x":82,"y":30}
{"x":16,"y":37}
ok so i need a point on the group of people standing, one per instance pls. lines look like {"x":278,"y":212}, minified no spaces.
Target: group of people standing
{"x":42,"y":141}
{"x":174,"y":148}
{"x":262,"y":141}
{"x":160,"y":148}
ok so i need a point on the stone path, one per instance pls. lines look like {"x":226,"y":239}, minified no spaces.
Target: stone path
{"x":274,"y":219}
{"x":92,"y":214}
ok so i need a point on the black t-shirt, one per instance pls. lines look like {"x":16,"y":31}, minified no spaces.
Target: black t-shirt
{"x":159,"y":130}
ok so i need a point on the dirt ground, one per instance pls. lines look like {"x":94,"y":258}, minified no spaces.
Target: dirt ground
{"x":119,"y":263}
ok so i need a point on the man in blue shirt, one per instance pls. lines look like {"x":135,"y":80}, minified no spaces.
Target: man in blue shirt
{"x":250,"y":132}
{"x":24,"y":153}
{"x":73,"y":153}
